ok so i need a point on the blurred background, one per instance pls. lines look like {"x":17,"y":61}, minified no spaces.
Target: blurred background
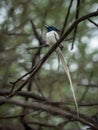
{"x":19,"y":52}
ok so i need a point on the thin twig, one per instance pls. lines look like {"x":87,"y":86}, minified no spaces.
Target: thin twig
{"x":10,"y":117}
{"x":17,"y":34}
{"x":76,"y":17}
{"x":37,"y":47}
{"x":38,"y":36}
{"x":38,"y":88}
{"x":93,"y":22}
{"x":89,"y":85}
{"x":67,"y":16}
{"x":86,"y":90}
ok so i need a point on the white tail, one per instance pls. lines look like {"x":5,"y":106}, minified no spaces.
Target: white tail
{"x":64,"y":62}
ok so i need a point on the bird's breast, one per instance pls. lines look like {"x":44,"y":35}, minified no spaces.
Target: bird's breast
{"x":52,"y":37}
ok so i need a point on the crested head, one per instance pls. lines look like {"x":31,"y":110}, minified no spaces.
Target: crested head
{"x":51,"y":28}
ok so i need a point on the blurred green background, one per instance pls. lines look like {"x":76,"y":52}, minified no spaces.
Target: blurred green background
{"x":17,"y":40}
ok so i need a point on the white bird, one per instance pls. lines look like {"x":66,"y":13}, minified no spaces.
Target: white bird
{"x":52,"y":37}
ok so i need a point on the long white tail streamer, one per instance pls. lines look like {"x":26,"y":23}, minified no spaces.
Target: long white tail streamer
{"x":64,"y":63}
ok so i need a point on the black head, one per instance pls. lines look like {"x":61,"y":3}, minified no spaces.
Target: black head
{"x":51,"y":28}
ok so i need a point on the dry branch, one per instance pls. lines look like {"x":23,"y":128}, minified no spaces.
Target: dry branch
{"x":53,"y":110}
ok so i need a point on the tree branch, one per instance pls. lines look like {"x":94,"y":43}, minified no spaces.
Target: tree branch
{"x":93,"y":22}
{"x":54,"y":110}
{"x":66,"y":18}
{"x":76,"y":17}
{"x":38,"y":36}
{"x":46,"y":100}
{"x":52,"y":49}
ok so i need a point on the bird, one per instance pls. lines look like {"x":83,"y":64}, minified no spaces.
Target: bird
{"x":52,"y":36}
{"x":53,"y":31}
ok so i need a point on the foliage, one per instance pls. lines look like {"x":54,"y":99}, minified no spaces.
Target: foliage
{"x":22,"y":45}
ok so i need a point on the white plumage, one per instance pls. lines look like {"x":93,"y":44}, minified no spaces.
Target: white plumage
{"x":52,"y":37}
